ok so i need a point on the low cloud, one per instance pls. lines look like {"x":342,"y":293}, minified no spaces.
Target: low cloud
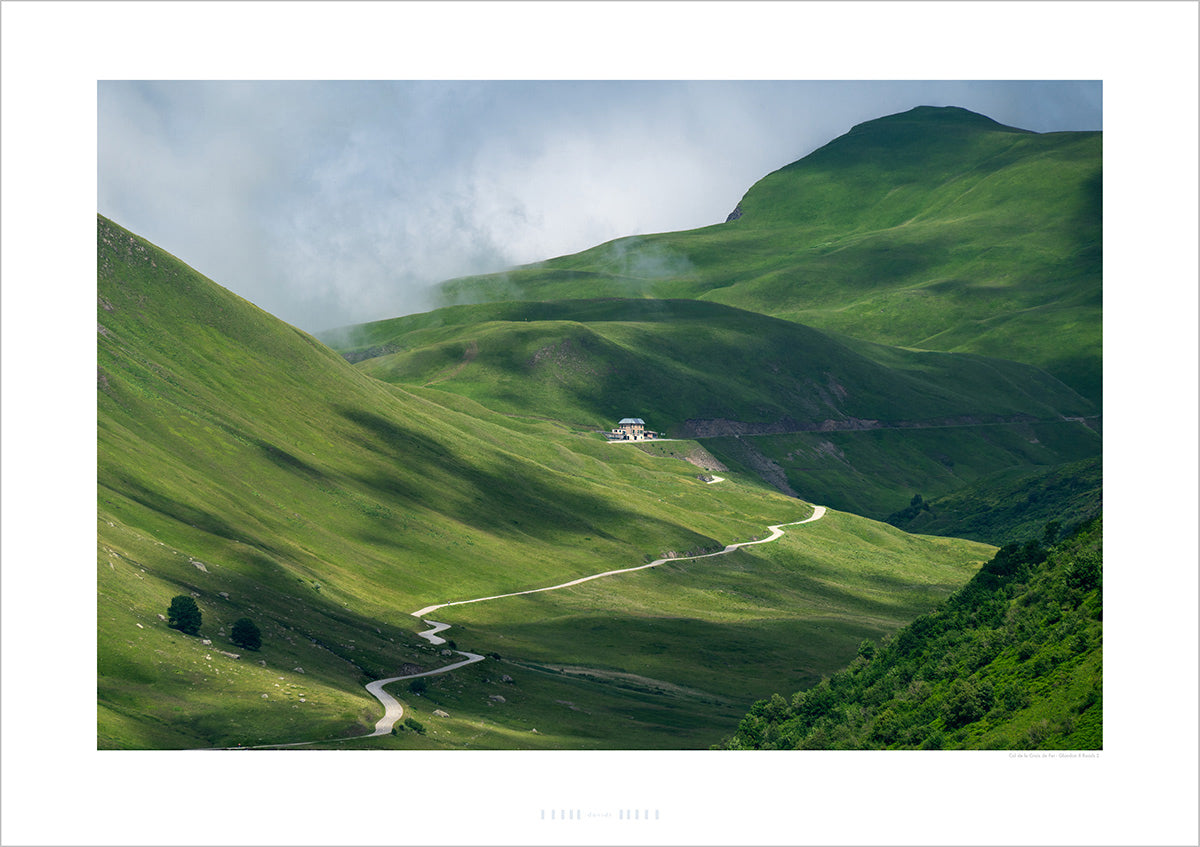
{"x":335,"y":203}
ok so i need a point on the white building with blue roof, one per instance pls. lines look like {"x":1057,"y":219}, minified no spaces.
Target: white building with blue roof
{"x":632,"y":429}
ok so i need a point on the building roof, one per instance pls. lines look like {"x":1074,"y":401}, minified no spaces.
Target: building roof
{"x":631,"y":421}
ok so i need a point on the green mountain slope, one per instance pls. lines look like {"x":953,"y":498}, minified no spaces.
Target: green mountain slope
{"x":243,"y":463}
{"x":855,"y":425}
{"x":687,"y":364}
{"x":1017,"y":502}
{"x":1011,"y":661}
{"x":936,"y":229}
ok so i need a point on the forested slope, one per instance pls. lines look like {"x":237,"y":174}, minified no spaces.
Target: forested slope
{"x":1011,"y":661}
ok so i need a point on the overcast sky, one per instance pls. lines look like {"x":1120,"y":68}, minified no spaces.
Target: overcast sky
{"x":341,"y":202}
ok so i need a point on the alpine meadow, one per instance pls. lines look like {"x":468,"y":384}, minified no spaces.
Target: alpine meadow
{"x":824,"y":475}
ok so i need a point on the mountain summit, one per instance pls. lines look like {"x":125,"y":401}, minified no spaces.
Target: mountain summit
{"x":936,"y":229}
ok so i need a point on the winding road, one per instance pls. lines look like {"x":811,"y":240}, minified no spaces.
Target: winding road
{"x":776,"y":532}
{"x":393,"y":711}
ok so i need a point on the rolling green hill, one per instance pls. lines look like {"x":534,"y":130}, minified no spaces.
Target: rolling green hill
{"x":686,"y":364}
{"x":245,"y":464}
{"x":935,"y":229}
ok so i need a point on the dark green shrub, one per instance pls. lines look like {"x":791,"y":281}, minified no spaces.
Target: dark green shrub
{"x":933,"y":741}
{"x":246,"y":634}
{"x":415,"y":725}
{"x":1042,"y":665}
{"x":1012,"y":696}
{"x":886,"y":727}
{"x":776,"y":709}
{"x":1083,"y":574}
{"x":752,"y":731}
{"x":964,"y":704}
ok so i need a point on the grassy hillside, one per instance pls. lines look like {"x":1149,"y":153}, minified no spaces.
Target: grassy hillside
{"x":936,"y":229}
{"x":855,"y":425}
{"x":1011,"y":661}
{"x":243,"y":463}
{"x":684,"y":364}
{"x":666,"y":657}
{"x":794,"y":609}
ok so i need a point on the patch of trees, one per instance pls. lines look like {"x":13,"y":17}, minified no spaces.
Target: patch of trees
{"x":914,"y":508}
{"x":1011,"y":660}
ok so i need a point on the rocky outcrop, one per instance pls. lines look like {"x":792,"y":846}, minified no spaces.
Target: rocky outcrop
{"x":704,"y":460}
{"x":768,"y":469}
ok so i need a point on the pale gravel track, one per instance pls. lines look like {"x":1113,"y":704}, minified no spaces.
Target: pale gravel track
{"x":393,"y":711}
{"x":776,"y":532}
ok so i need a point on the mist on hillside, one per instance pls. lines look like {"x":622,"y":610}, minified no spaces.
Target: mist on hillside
{"x":333,"y":203}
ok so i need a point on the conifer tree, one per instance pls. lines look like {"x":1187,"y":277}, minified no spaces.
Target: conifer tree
{"x":184,"y":615}
{"x":246,"y":634}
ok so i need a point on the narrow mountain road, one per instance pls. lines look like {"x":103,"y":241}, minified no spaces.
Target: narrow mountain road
{"x":776,"y":532}
{"x":393,"y":711}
